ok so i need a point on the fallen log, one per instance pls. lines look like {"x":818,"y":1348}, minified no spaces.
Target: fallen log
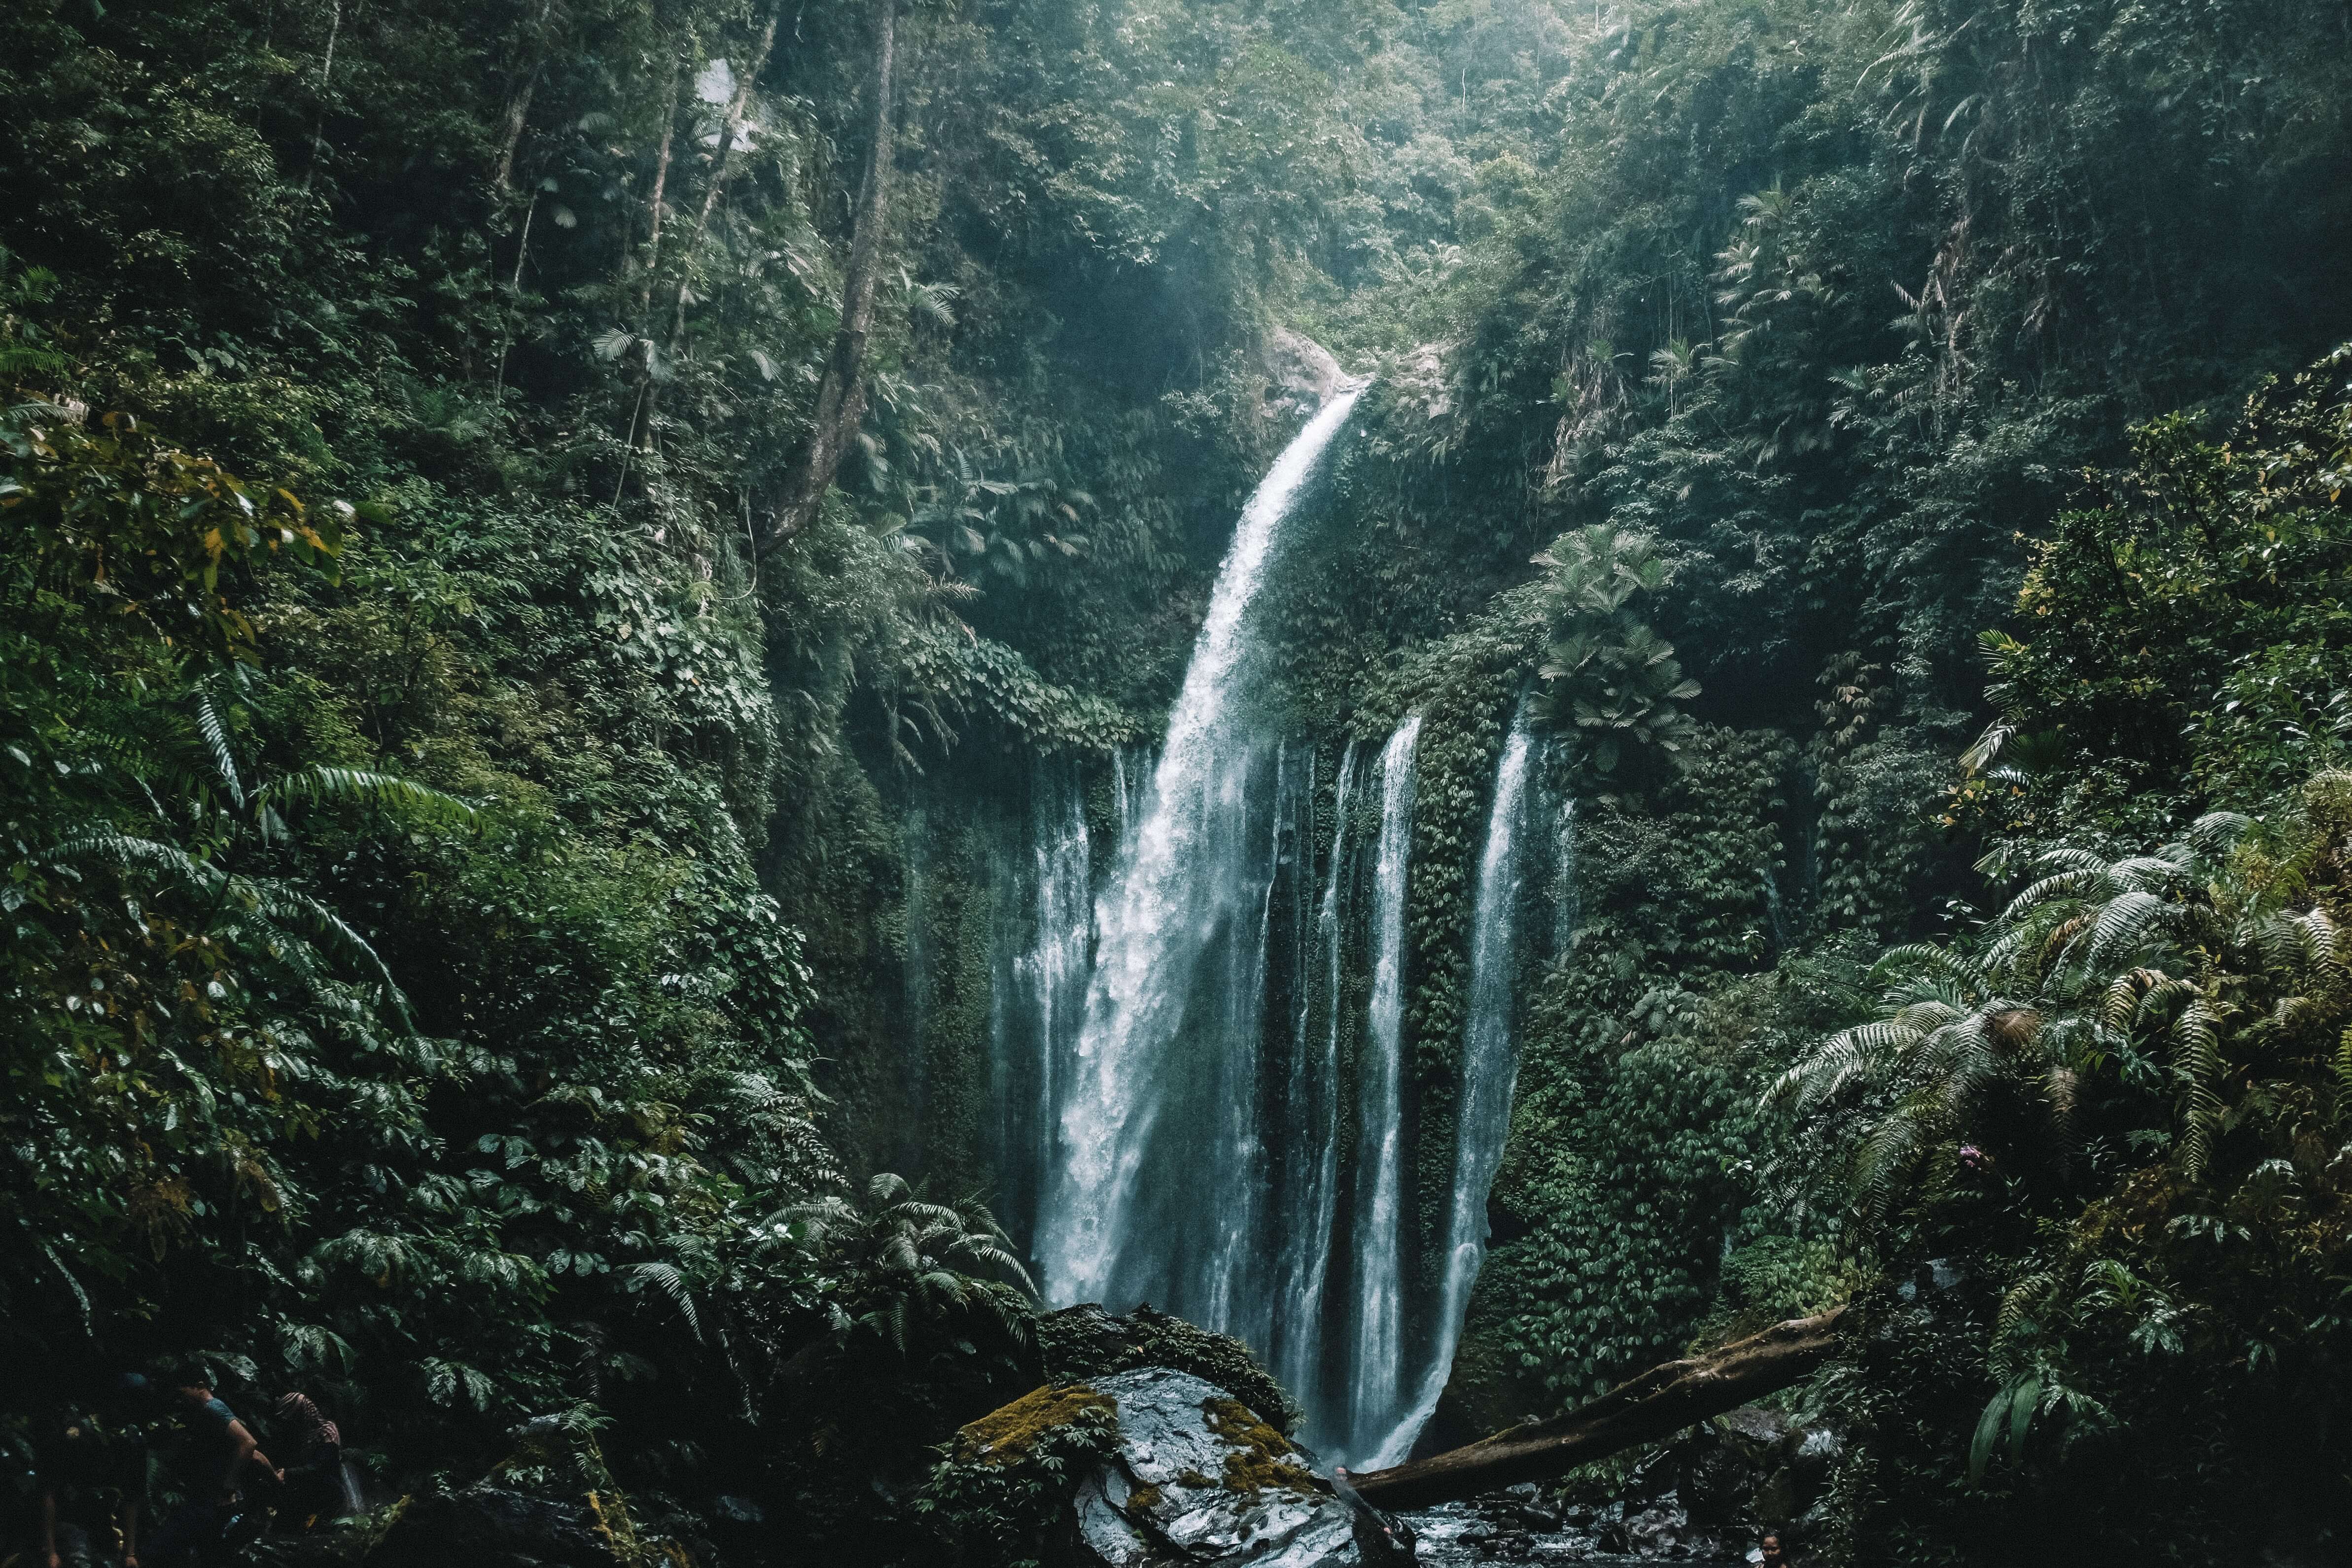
{"x":1660,"y":1402}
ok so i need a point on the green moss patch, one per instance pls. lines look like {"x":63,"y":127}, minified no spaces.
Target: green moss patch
{"x":1005,"y":1436}
{"x":1261,"y":1457}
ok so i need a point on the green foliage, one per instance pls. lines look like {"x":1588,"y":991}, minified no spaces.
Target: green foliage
{"x":1607,"y":673}
{"x":908,"y":1271}
{"x":995,"y":1514}
{"x":438,"y":906}
{"x":2120,"y":1096}
{"x":2186,"y":619}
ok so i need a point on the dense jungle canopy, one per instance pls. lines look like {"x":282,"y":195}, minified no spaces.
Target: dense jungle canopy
{"x":569,"y":561}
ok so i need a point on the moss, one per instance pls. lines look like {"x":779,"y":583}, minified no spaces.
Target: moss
{"x":1007,"y":1436}
{"x":1143,"y":1499}
{"x":1261,"y":1457}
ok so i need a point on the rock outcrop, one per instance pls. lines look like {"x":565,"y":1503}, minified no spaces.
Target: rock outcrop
{"x":1301,"y":369}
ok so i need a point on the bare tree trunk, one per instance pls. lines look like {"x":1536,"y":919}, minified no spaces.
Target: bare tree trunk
{"x":727,"y":140}
{"x":518,"y":107}
{"x":661,"y":182}
{"x":841,"y":397}
{"x":326,"y":80}
{"x":1658,"y":1403}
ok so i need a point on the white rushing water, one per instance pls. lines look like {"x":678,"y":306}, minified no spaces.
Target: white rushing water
{"x":1377,"y":1351}
{"x":1489,"y":1072}
{"x":1158,"y":1159}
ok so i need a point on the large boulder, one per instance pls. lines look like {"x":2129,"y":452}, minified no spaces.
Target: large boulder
{"x":1197,"y":1477}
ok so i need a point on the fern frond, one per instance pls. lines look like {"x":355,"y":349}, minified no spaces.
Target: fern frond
{"x":380,"y":791}
{"x":2123,"y":922}
{"x":215,"y":734}
{"x":123,"y":850}
{"x":674,"y":1286}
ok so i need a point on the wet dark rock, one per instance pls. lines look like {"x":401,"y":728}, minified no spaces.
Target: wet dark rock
{"x":736,"y":1525}
{"x":488,"y":1527}
{"x":1935,"y":1277}
{"x":1653,"y":1476}
{"x":1717,"y":1479}
{"x":1775,"y":1502}
{"x":1657,"y":1530}
{"x":332,"y":1546}
{"x":1753,"y":1427}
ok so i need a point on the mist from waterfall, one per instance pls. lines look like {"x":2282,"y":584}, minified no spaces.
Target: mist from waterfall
{"x":1489,"y":1072}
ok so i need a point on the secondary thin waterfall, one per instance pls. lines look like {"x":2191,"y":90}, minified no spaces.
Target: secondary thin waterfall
{"x":1378,"y":1348}
{"x":1038,"y":991}
{"x":1306,"y":1252}
{"x":1489,"y":1072}
{"x":1152,"y":1170}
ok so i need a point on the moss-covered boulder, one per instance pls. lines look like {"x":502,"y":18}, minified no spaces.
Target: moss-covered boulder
{"x":1142,"y":1468}
{"x":1085,"y":1343}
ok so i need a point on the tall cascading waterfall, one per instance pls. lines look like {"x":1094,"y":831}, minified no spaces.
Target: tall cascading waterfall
{"x":1158,"y":1188}
{"x":1489,"y":1072}
{"x":1376,"y":1330}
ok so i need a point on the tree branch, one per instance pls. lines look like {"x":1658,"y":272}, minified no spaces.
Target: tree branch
{"x":1660,"y":1402}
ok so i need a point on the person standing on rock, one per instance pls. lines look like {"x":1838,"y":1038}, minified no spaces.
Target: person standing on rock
{"x":1773,"y":1556}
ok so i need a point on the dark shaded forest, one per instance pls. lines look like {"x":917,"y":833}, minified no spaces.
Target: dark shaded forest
{"x":549,"y":541}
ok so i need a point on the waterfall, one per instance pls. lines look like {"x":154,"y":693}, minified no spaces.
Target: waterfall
{"x":915,"y":987}
{"x":1043,"y":904}
{"x":1314,"y":1139}
{"x":1568,"y":902}
{"x":1055,"y":970}
{"x":1158,"y":1162}
{"x":1489,"y":1071}
{"x":1378,"y":1347}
